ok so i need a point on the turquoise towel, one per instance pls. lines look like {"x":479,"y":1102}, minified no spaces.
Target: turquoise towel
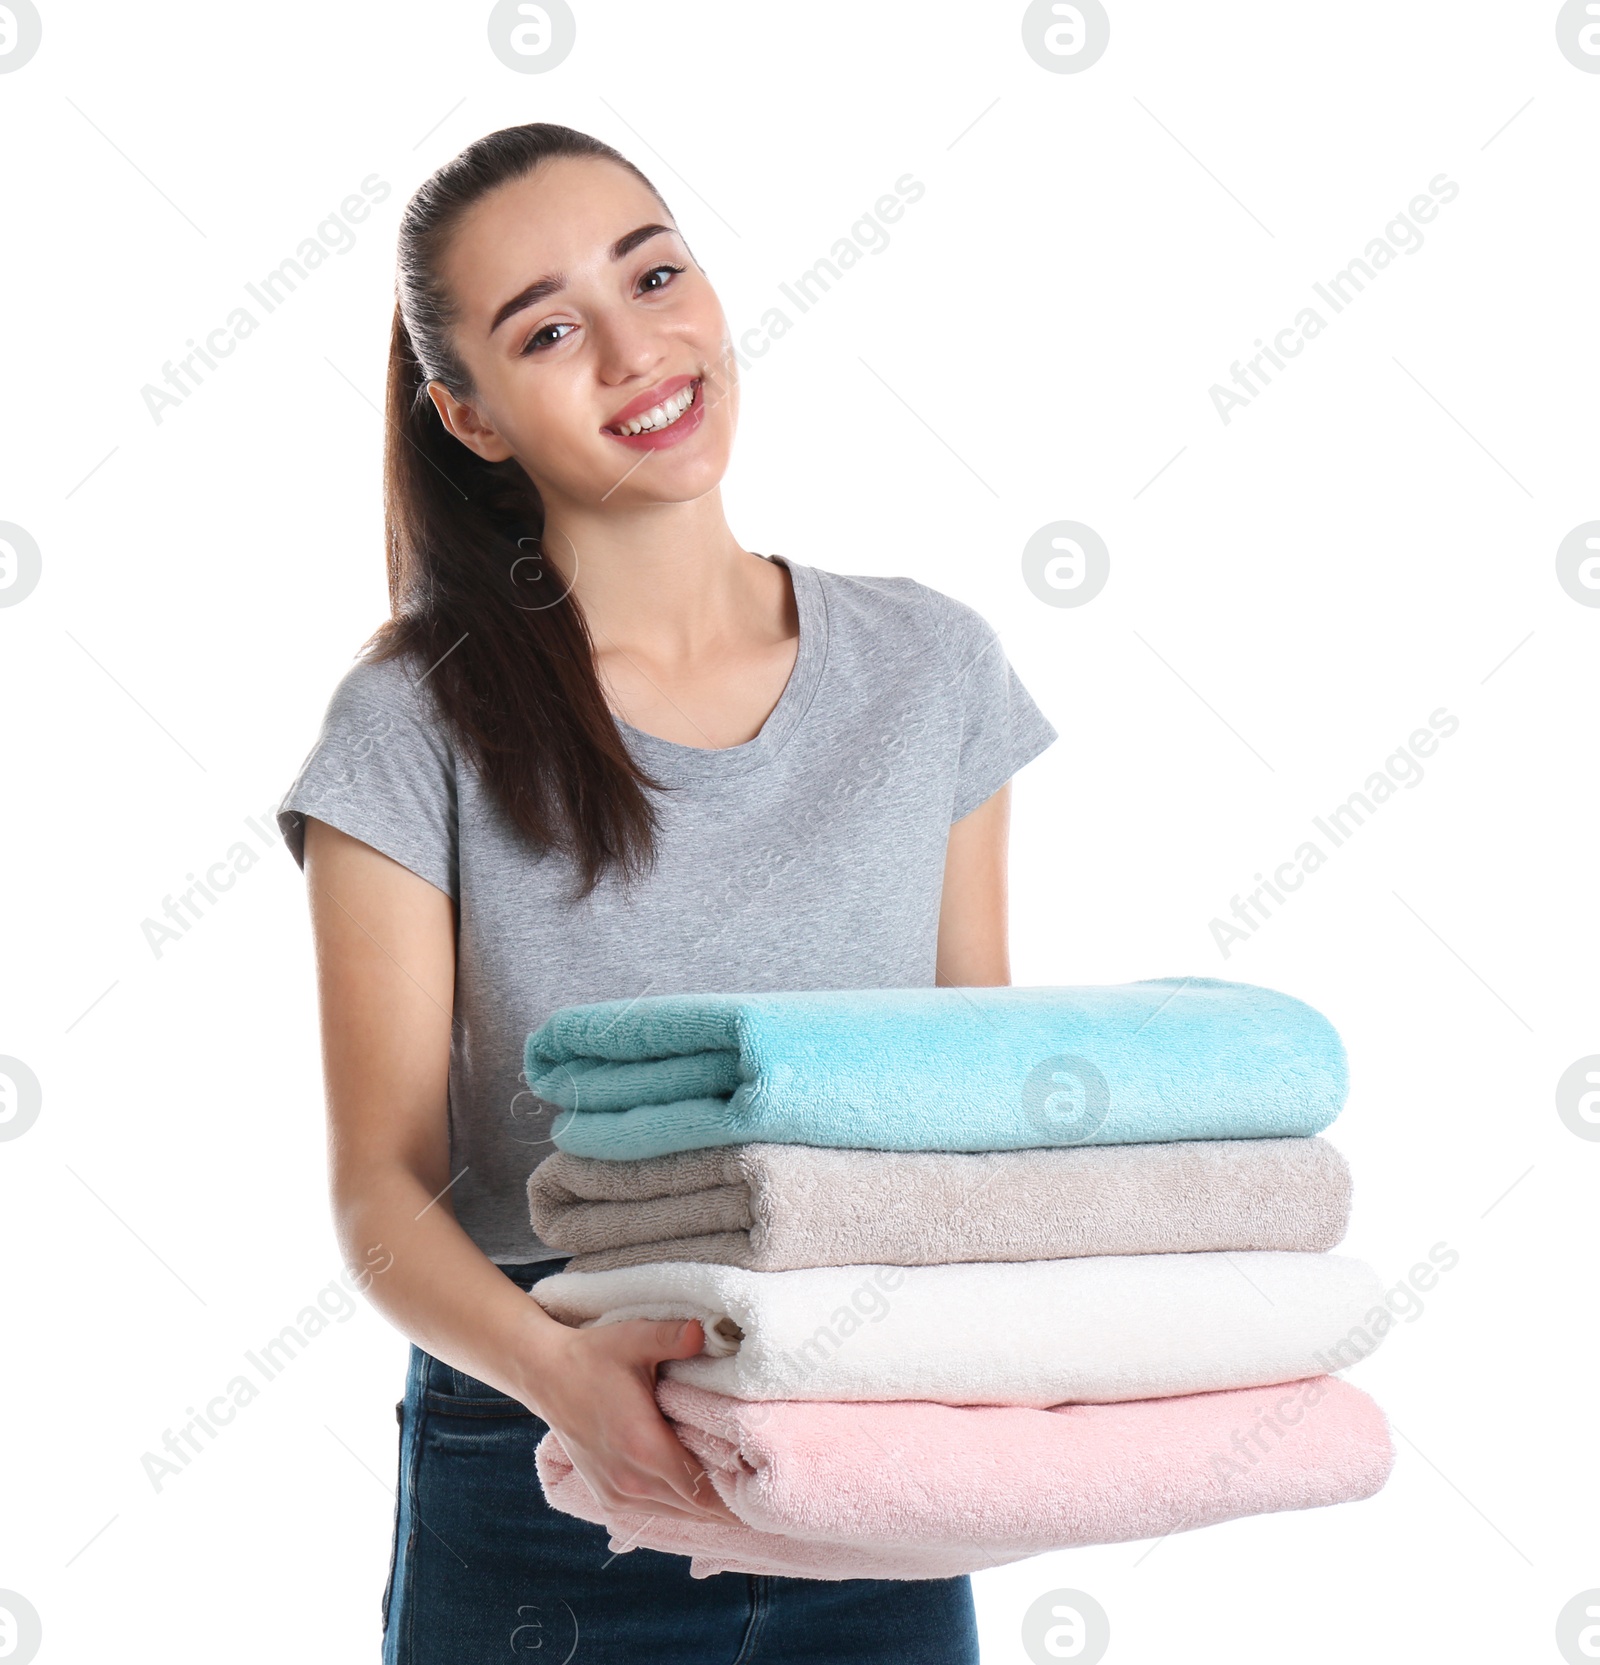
{"x":937,"y":1068}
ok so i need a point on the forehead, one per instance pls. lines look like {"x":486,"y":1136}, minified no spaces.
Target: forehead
{"x":561,"y":219}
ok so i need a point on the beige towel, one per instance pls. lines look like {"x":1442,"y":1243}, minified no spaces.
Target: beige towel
{"x":777,"y":1207}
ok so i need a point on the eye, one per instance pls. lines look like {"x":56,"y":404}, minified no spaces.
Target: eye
{"x":538,"y":340}
{"x":652,"y":272}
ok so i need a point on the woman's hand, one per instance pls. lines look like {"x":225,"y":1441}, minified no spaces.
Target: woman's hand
{"x":386,"y":966}
{"x":597,"y":1391}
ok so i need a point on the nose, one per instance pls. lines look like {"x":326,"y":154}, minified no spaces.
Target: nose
{"x":630,"y":346}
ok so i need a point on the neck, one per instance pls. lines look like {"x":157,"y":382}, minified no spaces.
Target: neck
{"x":670,"y":578}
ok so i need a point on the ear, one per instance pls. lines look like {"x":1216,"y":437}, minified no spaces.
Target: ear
{"x":465,"y":423}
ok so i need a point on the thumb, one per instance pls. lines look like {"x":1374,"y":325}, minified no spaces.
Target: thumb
{"x":678,"y":1338}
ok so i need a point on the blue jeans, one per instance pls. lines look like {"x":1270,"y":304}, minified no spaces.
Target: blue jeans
{"x":483,"y":1567}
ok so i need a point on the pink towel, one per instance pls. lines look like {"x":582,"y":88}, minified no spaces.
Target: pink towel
{"x":912,"y":1489}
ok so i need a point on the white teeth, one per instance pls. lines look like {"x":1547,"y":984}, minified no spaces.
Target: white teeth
{"x":663,"y":415}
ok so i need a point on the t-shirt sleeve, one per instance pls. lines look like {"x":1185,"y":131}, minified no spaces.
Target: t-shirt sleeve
{"x":382,"y":770}
{"x":1001,"y":727}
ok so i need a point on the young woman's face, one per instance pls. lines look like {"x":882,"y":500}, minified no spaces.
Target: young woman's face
{"x":597,"y":347}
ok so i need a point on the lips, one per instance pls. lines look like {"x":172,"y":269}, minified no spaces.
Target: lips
{"x":647,"y":401}
{"x":676,"y":410}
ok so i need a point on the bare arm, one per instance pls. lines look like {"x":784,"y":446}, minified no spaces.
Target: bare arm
{"x":385,"y":942}
{"x":972,"y":950}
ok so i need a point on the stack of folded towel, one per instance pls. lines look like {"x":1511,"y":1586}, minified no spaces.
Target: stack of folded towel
{"x":983,"y":1272}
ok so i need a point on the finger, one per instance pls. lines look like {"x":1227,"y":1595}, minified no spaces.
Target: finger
{"x":643,"y":1343}
{"x":654,"y":1505}
{"x":656,"y":1492}
{"x":674,"y":1338}
{"x":645,"y":1493}
{"x":678,"y":1509}
{"x":703,"y":1492}
{"x":688,"y":1475}
{"x":671,"y":1475}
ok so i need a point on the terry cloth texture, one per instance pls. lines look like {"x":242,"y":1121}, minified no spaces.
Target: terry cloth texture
{"x":938,"y":1068}
{"x":772,"y":1207}
{"x":809,"y":857}
{"x":917,"y":1490}
{"x":1031,"y":1332}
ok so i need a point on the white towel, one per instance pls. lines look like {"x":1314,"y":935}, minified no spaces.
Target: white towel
{"x":1034,"y":1332}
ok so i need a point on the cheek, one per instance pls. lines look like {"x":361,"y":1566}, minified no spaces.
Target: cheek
{"x":551,"y":427}
{"x":701,"y":320}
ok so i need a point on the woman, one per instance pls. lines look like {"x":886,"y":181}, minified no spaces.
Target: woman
{"x":602,"y":750}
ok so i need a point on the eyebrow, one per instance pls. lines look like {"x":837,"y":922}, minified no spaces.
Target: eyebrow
{"x":541,"y":288}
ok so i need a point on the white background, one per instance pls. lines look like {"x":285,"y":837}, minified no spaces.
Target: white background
{"x":1291,"y":594}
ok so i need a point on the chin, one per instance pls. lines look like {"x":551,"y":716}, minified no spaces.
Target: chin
{"x":670,"y":476}
{"x":680,"y":485}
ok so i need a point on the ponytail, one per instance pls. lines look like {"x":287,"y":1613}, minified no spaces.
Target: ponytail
{"x":474,"y":606}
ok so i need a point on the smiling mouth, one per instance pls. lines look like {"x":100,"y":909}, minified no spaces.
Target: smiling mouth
{"x":669,"y":411}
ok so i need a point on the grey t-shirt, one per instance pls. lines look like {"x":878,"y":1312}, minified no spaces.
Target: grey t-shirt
{"x":811,"y":857}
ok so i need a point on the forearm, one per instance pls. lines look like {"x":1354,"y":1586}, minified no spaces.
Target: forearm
{"x":438,"y":1288}
{"x":972,"y":950}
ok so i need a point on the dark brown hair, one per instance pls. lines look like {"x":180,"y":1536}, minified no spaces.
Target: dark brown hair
{"x":473,"y":603}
